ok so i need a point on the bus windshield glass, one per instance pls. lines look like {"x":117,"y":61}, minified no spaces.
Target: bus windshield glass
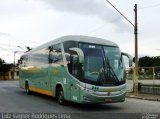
{"x":103,"y":65}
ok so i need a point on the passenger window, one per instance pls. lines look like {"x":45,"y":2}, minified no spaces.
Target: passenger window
{"x":24,"y":61}
{"x":55,"y":54}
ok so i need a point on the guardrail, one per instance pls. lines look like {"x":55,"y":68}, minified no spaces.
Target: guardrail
{"x":150,"y":73}
{"x":148,"y":79}
{"x":149,"y":89}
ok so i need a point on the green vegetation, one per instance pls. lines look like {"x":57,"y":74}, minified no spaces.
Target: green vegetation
{"x":149,"y":68}
{"x":4,"y":68}
{"x":149,"y":61}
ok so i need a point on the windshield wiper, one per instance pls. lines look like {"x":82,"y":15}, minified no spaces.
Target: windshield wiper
{"x":107,"y":75}
{"x":110,"y":72}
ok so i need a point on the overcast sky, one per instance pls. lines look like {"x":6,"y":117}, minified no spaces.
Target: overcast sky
{"x":34,"y":22}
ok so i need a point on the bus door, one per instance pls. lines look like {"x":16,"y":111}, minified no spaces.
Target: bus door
{"x":74,"y":67}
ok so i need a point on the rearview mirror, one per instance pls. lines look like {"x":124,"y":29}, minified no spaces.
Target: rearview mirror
{"x":129,"y":57}
{"x":80,"y":54}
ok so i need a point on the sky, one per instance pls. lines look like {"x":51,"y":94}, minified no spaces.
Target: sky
{"x":34,"y":22}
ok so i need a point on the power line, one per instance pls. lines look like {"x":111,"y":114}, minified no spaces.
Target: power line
{"x":151,"y":6}
{"x":101,"y":26}
{"x":120,"y":13}
{"x":7,"y":45}
{"x":146,"y":7}
{"x":5,"y":49}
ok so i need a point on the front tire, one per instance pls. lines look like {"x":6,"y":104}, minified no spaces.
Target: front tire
{"x":61,"y":96}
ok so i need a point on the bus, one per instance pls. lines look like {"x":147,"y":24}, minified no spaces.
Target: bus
{"x":76,"y":68}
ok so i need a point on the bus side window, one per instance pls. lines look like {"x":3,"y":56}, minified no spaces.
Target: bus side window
{"x":55,"y":54}
{"x":24,"y":61}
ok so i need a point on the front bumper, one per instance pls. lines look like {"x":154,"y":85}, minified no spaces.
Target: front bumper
{"x":90,"y":96}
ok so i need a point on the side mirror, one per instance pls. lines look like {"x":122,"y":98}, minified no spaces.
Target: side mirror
{"x":129,"y":57}
{"x":80,"y":54}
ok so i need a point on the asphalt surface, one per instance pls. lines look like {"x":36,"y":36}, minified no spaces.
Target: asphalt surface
{"x":14,"y":100}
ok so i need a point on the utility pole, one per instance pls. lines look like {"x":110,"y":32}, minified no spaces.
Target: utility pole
{"x":14,"y":63}
{"x":135,"y":79}
{"x":135,"y":85}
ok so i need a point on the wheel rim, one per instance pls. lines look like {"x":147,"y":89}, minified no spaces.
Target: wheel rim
{"x":60,"y":97}
{"x":27,"y":89}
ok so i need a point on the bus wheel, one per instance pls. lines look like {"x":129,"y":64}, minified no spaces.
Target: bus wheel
{"x":61,"y":96}
{"x":27,"y":88}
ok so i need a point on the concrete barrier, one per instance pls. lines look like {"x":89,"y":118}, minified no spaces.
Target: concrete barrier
{"x":149,"y":89}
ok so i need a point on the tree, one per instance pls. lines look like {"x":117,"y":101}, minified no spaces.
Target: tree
{"x":156,"y":61}
{"x":145,"y":61}
{"x":4,"y":68}
{"x":149,"y":61}
{"x":1,"y":61}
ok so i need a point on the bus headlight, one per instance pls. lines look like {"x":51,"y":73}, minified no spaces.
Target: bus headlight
{"x":81,"y":87}
{"x":90,"y":91}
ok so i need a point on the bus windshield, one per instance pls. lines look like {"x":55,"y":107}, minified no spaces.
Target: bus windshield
{"x":103,"y":65}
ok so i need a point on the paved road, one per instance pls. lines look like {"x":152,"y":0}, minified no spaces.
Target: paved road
{"x":14,"y":99}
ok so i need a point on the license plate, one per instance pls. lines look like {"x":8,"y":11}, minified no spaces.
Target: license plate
{"x":108,"y":100}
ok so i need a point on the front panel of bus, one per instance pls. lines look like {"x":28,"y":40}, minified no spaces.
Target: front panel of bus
{"x":99,"y":78}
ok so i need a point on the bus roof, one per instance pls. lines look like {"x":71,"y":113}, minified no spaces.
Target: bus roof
{"x":79,"y":38}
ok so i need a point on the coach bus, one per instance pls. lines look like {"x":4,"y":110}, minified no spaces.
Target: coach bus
{"x":76,"y":68}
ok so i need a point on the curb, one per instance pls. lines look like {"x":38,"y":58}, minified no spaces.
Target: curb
{"x":11,"y":80}
{"x":144,"y":97}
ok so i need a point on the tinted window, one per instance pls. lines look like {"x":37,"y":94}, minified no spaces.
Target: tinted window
{"x":69,"y":44}
{"x":55,"y":54}
{"x":39,"y":57}
{"x":24,"y":61}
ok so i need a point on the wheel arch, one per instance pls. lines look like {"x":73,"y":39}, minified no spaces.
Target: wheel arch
{"x":58,"y":85}
{"x":26,"y":82}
